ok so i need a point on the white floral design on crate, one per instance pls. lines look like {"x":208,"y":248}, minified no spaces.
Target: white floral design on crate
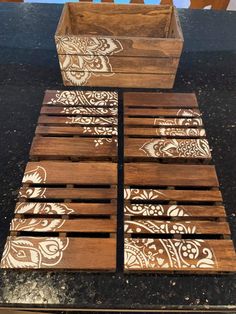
{"x":141,"y":254}
{"x":155,"y":210}
{"x":186,"y":148}
{"x":80,"y":58}
{"x":90,"y":110}
{"x":181,"y":132}
{"x":32,"y":252}
{"x":158,"y":227}
{"x":85,"y":98}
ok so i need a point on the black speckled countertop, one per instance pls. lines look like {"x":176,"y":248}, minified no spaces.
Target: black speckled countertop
{"x":28,"y":66}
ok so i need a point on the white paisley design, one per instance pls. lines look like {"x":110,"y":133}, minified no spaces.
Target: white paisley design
{"x":178,"y":121}
{"x":90,"y":111}
{"x":186,"y":148}
{"x":32,"y":252}
{"x":142,"y":194}
{"x":155,"y":210}
{"x":190,"y":132}
{"x":92,"y":57}
{"x":34,"y":176}
{"x":144,"y":254}
{"x":155,"y":226}
{"x":85,"y":98}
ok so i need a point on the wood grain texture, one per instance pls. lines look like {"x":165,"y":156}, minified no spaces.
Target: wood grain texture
{"x":72,"y":173}
{"x":125,"y":65}
{"x":80,"y":193}
{"x":167,"y":132}
{"x":125,"y":80}
{"x":170,"y":175}
{"x":63,"y":225}
{"x":45,"y":147}
{"x":156,"y":100}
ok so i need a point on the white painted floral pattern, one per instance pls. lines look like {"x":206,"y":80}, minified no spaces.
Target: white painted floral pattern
{"x":184,"y":148}
{"x":147,"y":254}
{"x":33,"y":252}
{"x":85,"y":98}
{"x":80,"y":58}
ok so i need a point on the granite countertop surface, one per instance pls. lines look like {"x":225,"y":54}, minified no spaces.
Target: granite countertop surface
{"x":28,"y":66}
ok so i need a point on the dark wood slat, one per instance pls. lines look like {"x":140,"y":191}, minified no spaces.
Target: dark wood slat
{"x":164,"y":132}
{"x":60,"y":253}
{"x":53,"y":172}
{"x":85,"y":121}
{"x":170,"y":175}
{"x":128,"y":80}
{"x":83,"y":111}
{"x":167,"y":148}
{"x":156,"y":112}
{"x":75,"y":130}
{"x":71,"y":193}
{"x":71,"y":209}
{"x":172,"y":122}
{"x":73,"y":147}
{"x":178,"y":100}
{"x":176,"y":211}
{"x":175,"y":227}
{"x":63,"y":225}
{"x":200,"y":256}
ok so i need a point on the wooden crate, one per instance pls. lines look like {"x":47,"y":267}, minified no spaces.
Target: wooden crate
{"x":65,"y":217}
{"x":106,"y":44}
{"x":174,"y":216}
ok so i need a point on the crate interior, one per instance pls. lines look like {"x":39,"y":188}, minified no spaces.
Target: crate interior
{"x":107,"y":19}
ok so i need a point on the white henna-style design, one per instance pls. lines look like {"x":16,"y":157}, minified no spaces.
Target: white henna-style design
{"x":32,"y":252}
{"x":186,"y":132}
{"x":186,"y":148}
{"x":92,"y":54}
{"x":85,"y":98}
{"x":141,"y":254}
{"x":165,"y":227}
{"x":155,"y":210}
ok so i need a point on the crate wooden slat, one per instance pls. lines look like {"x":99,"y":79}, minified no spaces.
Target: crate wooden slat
{"x":174,"y":218}
{"x":164,"y":126}
{"x":65,"y":217}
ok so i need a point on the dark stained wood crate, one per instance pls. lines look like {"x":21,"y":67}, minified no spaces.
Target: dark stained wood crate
{"x":65,"y":217}
{"x":166,"y":127}
{"x":129,"y":45}
{"x":174,"y":218}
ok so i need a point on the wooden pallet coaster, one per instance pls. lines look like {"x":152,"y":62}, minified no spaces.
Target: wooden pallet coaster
{"x":77,"y":125}
{"x":164,"y":127}
{"x":65,"y":217}
{"x":174,"y":217}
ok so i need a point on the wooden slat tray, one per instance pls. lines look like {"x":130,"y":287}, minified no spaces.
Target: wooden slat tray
{"x":175,"y":220}
{"x":164,"y":126}
{"x":65,"y":217}
{"x":67,"y":115}
{"x":78,"y":214}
